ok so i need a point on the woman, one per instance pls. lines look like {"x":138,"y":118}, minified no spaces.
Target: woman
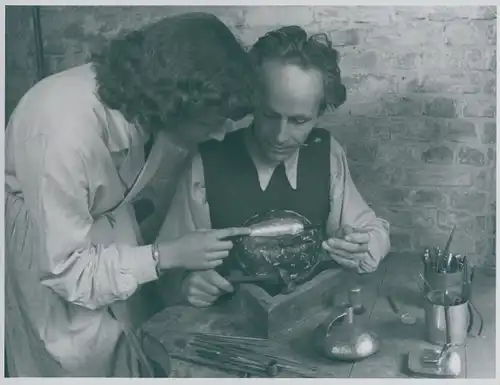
{"x":74,"y":162}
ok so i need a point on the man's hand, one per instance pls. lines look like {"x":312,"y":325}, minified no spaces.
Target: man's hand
{"x":202,"y":288}
{"x":350,"y":249}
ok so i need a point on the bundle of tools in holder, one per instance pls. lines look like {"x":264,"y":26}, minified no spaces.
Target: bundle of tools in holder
{"x":448,"y":278}
{"x":442,"y":261}
{"x":444,"y":270}
{"x":245,"y":356}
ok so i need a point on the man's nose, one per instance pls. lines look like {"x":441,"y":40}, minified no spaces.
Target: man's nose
{"x":282,"y":134}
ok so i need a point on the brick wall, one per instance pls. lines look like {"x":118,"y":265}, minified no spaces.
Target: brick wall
{"x":419,"y":125}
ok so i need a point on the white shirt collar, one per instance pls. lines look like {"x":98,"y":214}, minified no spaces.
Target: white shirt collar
{"x":265,"y":171}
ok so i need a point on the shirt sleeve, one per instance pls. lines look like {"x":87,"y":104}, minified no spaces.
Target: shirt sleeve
{"x":54,"y":179}
{"x":349,"y":208}
{"x":189,"y":210}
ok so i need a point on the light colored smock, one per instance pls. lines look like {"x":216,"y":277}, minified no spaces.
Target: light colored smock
{"x":70,"y":159}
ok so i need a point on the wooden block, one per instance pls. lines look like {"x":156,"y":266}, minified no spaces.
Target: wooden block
{"x":272,"y":315}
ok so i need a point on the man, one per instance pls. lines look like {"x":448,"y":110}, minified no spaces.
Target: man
{"x":75,"y":159}
{"x":281,"y":162}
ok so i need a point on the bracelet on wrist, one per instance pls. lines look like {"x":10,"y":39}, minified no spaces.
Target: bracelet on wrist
{"x":155,"y":251}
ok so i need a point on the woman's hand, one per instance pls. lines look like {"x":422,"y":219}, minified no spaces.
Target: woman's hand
{"x":199,"y":250}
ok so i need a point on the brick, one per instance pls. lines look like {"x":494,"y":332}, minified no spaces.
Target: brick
{"x":381,"y":131}
{"x":403,"y":154}
{"x":348,"y":129}
{"x":440,"y":108}
{"x":359,"y":152}
{"x":485,"y":224}
{"x":368,"y":84}
{"x":490,"y":87}
{"x":397,"y":217}
{"x":471,"y":157}
{"x":426,"y":198}
{"x":452,"y":59}
{"x":481,"y":223}
{"x":489,"y":133}
{"x":384,"y":174}
{"x":347,"y":37}
{"x":479,"y":108}
{"x":401,"y":105}
{"x":421,"y":130}
{"x":488,"y":29}
{"x":411,"y":12}
{"x":461,"y":12}
{"x":441,"y":176}
{"x":492,"y":64}
{"x":485,"y":247}
{"x":375,"y":192}
{"x":492,"y":155}
{"x":473,"y":33}
{"x":471,"y":201}
{"x":400,"y":241}
{"x":362,"y":15}
{"x":464,"y":222}
{"x":466,"y":83}
{"x":484,"y":59}
{"x":399,"y":59}
{"x":408,"y":33}
{"x":429,"y":238}
{"x":461,"y":131}
{"x":424,"y":218}
{"x":462,"y":242}
{"x":362,"y":108}
{"x":482,"y":180}
{"x":438,"y":155}
{"x":358,"y":60}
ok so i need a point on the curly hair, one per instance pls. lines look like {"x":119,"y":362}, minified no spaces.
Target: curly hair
{"x":174,"y":70}
{"x":292,"y":46}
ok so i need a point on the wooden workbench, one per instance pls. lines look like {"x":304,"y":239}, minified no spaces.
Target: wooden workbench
{"x":398,"y":275}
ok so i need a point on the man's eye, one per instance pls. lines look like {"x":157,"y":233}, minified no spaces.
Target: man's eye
{"x":299,"y":121}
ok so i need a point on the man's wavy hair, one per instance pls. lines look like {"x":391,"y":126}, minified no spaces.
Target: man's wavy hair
{"x":291,"y":45}
{"x":173,"y":70}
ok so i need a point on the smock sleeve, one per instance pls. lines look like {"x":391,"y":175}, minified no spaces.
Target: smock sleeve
{"x":54,"y":175}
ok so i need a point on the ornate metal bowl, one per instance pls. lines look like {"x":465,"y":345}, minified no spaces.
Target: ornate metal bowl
{"x":297,"y":254}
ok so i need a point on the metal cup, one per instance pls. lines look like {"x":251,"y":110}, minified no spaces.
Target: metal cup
{"x":442,"y":281}
{"x":435,"y":321}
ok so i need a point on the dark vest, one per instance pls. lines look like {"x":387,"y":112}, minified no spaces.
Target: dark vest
{"x":232,"y":184}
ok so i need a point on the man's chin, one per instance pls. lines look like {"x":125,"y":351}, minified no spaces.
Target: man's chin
{"x":277,"y":156}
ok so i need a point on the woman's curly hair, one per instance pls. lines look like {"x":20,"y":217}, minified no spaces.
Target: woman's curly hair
{"x":291,"y":45}
{"x":173,"y":70}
